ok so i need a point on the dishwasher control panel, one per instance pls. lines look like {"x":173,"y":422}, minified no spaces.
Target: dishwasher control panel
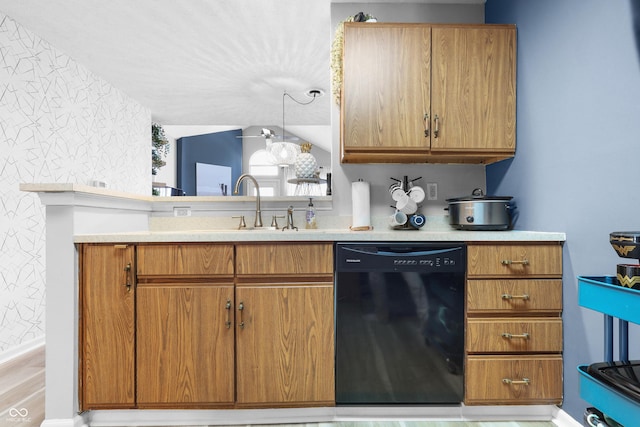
{"x":425,"y":257}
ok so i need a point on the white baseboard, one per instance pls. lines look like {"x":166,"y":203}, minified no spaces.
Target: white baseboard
{"x":21,"y":349}
{"x":245,"y":417}
{"x":562,"y":419}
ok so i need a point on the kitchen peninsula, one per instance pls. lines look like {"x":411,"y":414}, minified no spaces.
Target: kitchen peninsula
{"x":79,"y":215}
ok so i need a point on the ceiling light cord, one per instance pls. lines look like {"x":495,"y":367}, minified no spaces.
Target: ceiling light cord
{"x":314,"y":93}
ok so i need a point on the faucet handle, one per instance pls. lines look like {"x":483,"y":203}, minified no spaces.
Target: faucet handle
{"x":274,"y":221}
{"x":290,"y":225}
{"x":242,"y":224}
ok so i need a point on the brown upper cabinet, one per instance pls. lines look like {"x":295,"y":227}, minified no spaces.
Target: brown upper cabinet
{"x":416,"y":93}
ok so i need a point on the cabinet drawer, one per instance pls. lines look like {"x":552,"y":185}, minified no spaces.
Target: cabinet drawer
{"x":514,"y":296}
{"x":284,"y":259}
{"x":185,"y":260}
{"x":496,"y":380}
{"x":515,"y":260}
{"x":500,"y":335}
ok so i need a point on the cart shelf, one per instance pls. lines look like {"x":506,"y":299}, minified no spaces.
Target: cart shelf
{"x":604,"y":295}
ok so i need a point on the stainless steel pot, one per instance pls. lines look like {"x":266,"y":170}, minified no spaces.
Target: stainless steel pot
{"x":480,"y":212}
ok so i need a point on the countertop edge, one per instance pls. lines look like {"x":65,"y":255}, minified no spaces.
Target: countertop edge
{"x":320,"y":236}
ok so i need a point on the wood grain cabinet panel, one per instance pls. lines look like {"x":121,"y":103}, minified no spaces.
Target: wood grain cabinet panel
{"x":474,"y":89}
{"x":521,"y":297}
{"x":504,"y":380}
{"x":285,"y":345}
{"x":415,"y":93}
{"x":514,"y":260}
{"x":107,"y":326}
{"x":196,"y":329}
{"x":386,"y":91}
{"x":184,"y":260}
{"x":284,"y":324}
{"x":514,"y":335}
{"x":185,"y":347}
{"x":289,"y":259}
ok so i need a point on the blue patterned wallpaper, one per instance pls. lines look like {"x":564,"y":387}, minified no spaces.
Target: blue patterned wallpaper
{"x":58,"y":123}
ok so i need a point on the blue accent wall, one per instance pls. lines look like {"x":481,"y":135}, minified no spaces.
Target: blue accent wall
{"x":220,"y":148}
{"x":578,"y":146}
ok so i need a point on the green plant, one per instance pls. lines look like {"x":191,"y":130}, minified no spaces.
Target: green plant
{"x":159,"y":149}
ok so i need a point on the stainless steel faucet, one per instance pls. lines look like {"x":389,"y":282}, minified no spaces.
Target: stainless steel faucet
{"x":258,"y":222}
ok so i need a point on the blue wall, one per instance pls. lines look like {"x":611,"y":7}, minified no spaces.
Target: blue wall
{"x":578,"y":146}
{"x":219,"y":148}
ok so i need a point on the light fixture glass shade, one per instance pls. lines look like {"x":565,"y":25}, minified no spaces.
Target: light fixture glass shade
{"x":284,"y":153}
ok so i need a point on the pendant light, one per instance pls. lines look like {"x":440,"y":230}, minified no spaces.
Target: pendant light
{"x":283,"y":152}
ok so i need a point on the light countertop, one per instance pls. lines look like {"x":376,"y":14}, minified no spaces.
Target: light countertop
{"x":201,"y":230}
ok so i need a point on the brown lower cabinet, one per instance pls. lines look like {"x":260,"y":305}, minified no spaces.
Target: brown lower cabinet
{"x":183,"y":326}
{"x":107,"y":335}
{"x":183,"y":347}
{"x":513,"y":336}
{"x":224,"y":325}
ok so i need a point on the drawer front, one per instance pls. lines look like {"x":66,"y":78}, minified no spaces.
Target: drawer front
{"x":514,"y":296}
{"x":185,"y":260}
{"x":515,"y":260}
{"x":513,"y":380}
{"x":284,"y":259}
{"x":521,"y":335}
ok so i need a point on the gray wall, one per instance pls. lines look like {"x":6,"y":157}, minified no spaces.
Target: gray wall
{"x":577,"y":132}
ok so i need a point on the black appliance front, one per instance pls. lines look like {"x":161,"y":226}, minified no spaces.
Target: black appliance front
{"x":399,"y":323}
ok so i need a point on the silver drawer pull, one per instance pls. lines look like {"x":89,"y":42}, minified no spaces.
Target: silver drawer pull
{"x":509,"y":336}
{"x":510,"y":262}
{"x":524,"y":297}
{"x":524,"y":381}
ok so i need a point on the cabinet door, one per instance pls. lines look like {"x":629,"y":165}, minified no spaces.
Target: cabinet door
{"x":285,"y":345}
{"x":473,"y":89}
{"x":185,"y":345}
{"x":108,"y":325}
{"x":385,"y":92}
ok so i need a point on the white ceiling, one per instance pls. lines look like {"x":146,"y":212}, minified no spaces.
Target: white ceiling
{"x":200,"y":62}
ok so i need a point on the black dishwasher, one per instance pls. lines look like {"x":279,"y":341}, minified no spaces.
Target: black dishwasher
{"x":399,"y":323}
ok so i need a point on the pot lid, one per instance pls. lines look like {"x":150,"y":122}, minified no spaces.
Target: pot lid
{"x":477,"y":195}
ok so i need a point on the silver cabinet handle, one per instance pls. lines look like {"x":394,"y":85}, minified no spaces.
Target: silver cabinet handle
{"x":524,"y":381}
{"x":426,"y":125}
{"x":524,"y":297}
{"x":240,"y":309}
{"x":127,"y":269}
{"x":227,"y":307}
{"x":510,"y":262}
{"x":436,"y":130}
{"x":509,"y":336}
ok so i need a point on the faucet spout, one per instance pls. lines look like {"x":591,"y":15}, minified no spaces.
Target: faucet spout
{"x":258,"y":221}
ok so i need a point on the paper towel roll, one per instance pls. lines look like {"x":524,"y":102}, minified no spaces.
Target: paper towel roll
{"x":361,"y":206}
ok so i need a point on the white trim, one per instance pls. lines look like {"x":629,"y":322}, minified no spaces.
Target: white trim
{"x":77,"y":421}
{"x":150,"y":417}
{"x":562,"y":419}
{"x":21,"y":349}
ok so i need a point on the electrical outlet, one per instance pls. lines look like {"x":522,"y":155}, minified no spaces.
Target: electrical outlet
{"x":432,"y":191}
{"x":181,"y":211}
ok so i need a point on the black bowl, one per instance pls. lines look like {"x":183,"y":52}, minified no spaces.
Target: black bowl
{"x":626,"y":243}
{"x":629,"y":275}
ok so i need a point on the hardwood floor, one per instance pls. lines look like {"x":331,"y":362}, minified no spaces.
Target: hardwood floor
{"x":22,"y":390}
{"x":22,"y":401}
